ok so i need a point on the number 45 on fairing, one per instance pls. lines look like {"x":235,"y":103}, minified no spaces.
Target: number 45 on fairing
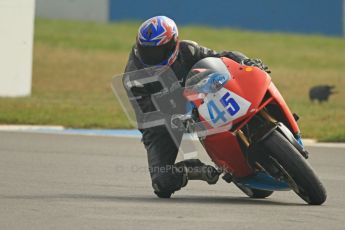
{"x":223,"y":107}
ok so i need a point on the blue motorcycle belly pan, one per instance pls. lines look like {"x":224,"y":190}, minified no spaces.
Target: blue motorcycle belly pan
{"x":263,"y":181}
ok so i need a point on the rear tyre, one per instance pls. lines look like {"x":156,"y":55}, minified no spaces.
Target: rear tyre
{"x":254,"y":193}
{"x":260,"y":194}
{"x":294,"y":168}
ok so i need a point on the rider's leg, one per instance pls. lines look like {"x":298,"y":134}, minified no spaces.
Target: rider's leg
{"x":162,"y":152}
{"x":168,"y":177}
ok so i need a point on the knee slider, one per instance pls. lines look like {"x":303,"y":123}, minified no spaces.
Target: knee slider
{"x":169,"y":182}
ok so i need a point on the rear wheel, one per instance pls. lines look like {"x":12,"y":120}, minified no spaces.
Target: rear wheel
{"x":255,"y":193}
{"x":293,"y":168}
{"x":259,"y":194}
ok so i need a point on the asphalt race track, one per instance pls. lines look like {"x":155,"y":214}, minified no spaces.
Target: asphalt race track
{"x":50,"y":181}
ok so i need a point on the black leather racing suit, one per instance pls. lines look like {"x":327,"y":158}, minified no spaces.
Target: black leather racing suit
{"x":161,"y":149}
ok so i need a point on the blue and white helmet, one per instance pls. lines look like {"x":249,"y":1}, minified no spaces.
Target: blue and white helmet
{"x":157,"y":41}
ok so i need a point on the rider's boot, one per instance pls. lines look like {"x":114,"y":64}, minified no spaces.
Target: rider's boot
{"x":196,"y":170}
{"x":166,"y":183}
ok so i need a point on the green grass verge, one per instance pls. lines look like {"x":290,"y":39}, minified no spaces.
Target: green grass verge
{"x":74,"y":63}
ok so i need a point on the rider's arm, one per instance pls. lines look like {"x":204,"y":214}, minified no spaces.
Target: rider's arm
{"x":197,"y":52}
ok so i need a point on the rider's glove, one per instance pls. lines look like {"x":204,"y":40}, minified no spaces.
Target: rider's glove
{"x":256,"y":62}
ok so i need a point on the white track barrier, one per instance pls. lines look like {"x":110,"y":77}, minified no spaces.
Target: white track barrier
{"x":16,"y":45}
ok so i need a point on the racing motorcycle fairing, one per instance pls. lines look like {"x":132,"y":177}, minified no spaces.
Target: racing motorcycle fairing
{"x":231,"y":99}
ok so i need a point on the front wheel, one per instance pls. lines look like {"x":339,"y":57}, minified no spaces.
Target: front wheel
{"x":293,"y":168}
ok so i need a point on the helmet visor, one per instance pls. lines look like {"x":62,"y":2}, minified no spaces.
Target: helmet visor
{"x":155,"y":55}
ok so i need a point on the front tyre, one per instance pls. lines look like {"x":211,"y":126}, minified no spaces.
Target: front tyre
{"x":294,"y":168}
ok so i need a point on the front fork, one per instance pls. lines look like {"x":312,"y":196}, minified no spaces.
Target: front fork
{"x":272,"y":124}
{"x":245,"y":140}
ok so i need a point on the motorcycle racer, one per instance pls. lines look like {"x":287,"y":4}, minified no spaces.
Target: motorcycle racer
{"x":158,"y":44}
